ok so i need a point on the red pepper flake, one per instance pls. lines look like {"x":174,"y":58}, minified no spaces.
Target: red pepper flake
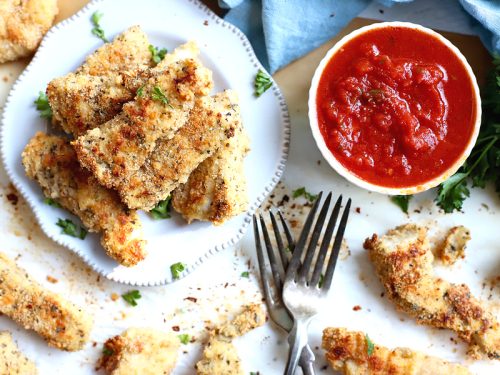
{"x":51,"y":279}
{"x":176,"y":328}
{"x":192,"y":299}
{"x":13,"y":198}
{"x":358,"y":210}
{"x":356,"y":308}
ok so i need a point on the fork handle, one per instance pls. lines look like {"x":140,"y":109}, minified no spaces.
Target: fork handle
{"x":306,"y":361}
{"x":297,"y":340}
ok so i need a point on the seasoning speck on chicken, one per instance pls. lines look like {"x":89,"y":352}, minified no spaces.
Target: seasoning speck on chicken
{"x":403,"y":261}
{"x":210,"y":126}
{"x":453,"y":246}
{"x":143,"y":351}
{"x":51,"y":161}
{"x":12,"y":361}
{"x":62,"y":324}
{"x":349,"y":353}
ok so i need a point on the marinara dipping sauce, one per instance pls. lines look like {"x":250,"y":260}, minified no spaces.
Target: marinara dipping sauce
{"x":396,"y":106}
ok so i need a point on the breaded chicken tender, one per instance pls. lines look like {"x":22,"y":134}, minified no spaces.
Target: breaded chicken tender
{"x":453,"y":246}
{"x":62,"y":324}
{"x":118,"y":148}
{"x":209,"y":127}
{"x":51,"y":161}
{"x":219,"y":355}
{"x":12,"y":361}
{"x":97,"y":91}
{"x":403,"y":261}
{"x":348,"y":352}
{"x":140,"y":351}
{"x":217,"y":190}
{"x":23,"y":23}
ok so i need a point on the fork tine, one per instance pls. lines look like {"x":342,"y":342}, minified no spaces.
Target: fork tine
{"x":270,"y":254}
{"x":289,"y":237}
{"x":279,"y":242}
{"x":327,"y":282}
{"x":313,"y":242}
{"x":293,"y":266}
{"x":327,"y":237}
{"x":262,"y":265}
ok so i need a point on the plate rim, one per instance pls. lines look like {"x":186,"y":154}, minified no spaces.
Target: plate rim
{"x":267,"y":189}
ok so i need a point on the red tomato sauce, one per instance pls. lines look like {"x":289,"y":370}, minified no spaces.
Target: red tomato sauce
{"x":396,"y":106}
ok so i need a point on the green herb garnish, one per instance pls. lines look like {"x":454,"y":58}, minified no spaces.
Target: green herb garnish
{"x":157,"y":54}
{"x":97,"y":29}
{"x":370,"y":346}
{"x":321,"y":280}
{"x":161,"y":210}
{"x":132,"y":297}
{"x":107,"y":352}
{"x":140,"y":92}
{"x":245,"y":274}
{"x":70,"y":228}
{"x":176,"y":269}
{"x":51,"y":202}
{"x":302,"y":192}
{"x":158,"y":95}
{"x":262,"y":83}
{"x":184,"y":338}
{"x":42,"y":105}
{"x":403,"y":201}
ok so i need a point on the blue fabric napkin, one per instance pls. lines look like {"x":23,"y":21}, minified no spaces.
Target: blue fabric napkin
{"x":283,"y":30}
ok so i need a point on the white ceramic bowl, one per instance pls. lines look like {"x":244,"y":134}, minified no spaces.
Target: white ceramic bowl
{"x":346,"y":173}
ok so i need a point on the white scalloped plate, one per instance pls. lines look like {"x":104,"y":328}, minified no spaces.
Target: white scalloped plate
{"x":168,"y":23}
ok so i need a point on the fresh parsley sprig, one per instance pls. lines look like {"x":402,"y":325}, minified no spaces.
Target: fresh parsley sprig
{"x":42,"y":105}
{"x":131,"y":297}
{"x":97,"y":30}
{"x":51,"y":202}
{"x":403,"y":201}
{"x":162,"y":210}
{"x":70,"y":228}
{"x":262,"y":83}
{"x":157,"y":54}
{"x":158,"y":95}
{"x":176,"y":269}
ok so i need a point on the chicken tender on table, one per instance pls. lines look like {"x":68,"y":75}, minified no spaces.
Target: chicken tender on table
{"x":62,"y":324}
{"x":219,"y":355}
{"x":51,"y":161}
{"x":349,"y":353}
{"x":118,"y":148}
{"x":140,"y":351}
{"x":217,"y":190}
{"x":211,"y":124}
{"x":23,"y":23}
{"x":453,"y":246}
{"x":12,"y":361}
{"x":96,"y":92}
{"x":403,"y":261}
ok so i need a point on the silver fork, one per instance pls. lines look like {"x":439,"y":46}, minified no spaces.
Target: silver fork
{"x":274,"y":301}
{"x":303,"y":294}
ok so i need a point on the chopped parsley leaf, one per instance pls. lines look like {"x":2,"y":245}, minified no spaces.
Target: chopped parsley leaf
{"x":157,"y":54}
{"x":107,"y":351}
{"x":184,"y":338}
{"x":245,"y":274}
{"x":140,"y":92}
{"x":51,"y":202}
{"x":302,"y":192}
{"x":262,"y":83}
{"x":370,"y":346}
{"x":97,"y":29}
{"x":162,"y":210}
{"x":403,"y":201}
{"x":42,"y":105}
{"x":70,"y":228}
{"x":131,"y":297}
{"x":158,"y":95}
{"x":176,"y":269}
{"x":321,"y":279}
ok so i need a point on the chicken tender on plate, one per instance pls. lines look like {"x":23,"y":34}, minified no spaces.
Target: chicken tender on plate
{"x":62,"y":324}
{"x":118,"y":148}
{"x":217,"y":190}
{"x":23,"y":23}
{"x":140,"y":351}
{"x":453,"y":246}
{"x":12,"y":361}
{"x":51,"y":161}
{"x":211,"y":124}
{"x":403,"y":261}
{"x":349,"y":353}
{"x":219,"y":355}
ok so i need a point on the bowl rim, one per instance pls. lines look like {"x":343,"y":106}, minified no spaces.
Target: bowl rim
{"x":346,"y":173}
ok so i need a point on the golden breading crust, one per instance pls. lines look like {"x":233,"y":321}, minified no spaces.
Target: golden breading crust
{"x":453,"y":246}
{"x":97,"y":91}
{"x":51,"y":161}
{"x":219,"y":355}
{"x":217,"y":190}
{"x":62,"y":324}
{"x":12,"y":361}
{"x":403,"y":261}
{"x":347,"y":352}
{"x":140,"y":351}
{"x":23,"y":23}
{"x":210,"y":125}
{"x":118,"y":148}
